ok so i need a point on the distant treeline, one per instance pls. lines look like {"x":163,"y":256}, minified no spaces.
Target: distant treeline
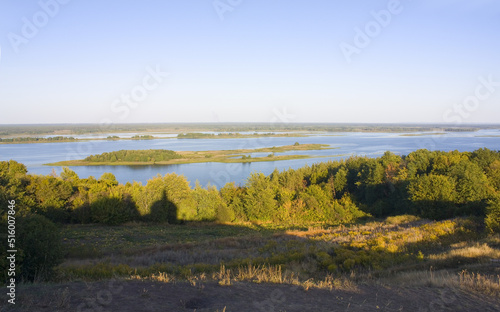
{"x":198,"y":135}
{"x":58,"y":129}
{"x":135,"y":156}
{"x":36,"y":139}
{"x":434,"y":185}
{"x":142,"y":137}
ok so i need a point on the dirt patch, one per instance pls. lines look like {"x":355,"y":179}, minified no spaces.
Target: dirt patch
{"x":140,"y":295}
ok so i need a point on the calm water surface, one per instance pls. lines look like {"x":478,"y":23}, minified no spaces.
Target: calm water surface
{"x":34,"y":156}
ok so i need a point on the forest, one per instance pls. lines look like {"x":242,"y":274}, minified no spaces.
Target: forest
{"x":134,"y":155}
{"x":435,"y":185}
{"x":37,"y":139}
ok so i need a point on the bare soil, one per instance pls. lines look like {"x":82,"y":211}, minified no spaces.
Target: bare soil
{"x":144,"y":295}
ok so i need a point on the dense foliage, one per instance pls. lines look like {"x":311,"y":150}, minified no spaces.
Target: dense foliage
{"x":135,"y":155}
{"x":36,"y":139}
{"x":40,"y":244}
{"x":431,"y":184}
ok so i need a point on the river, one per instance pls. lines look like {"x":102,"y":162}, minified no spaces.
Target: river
{"x":34,"y":156}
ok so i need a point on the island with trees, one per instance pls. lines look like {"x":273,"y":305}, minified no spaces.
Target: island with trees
{"x":168,"y":157}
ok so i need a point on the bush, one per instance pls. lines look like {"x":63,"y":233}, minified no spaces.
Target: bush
{"x":112,"y":210}
{"x":225,"y":213}
{"x":492,"y":219}
{"x":40,"y":246}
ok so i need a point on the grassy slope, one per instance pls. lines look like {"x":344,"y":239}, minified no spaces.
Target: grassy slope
{"x":398,"y":264}
{"x":385,"y":250}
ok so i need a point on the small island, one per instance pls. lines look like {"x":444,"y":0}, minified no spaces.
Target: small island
{"x":168,"y":157}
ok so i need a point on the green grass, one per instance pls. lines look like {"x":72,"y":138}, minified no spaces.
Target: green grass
{"x":396,"y":248}
{"x":100,"y":240}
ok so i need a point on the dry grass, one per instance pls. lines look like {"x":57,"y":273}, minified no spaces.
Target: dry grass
{"x":160,"y":277}
{"x":259,"y":274}
{"x":485,"y":284}
{"x":467,"y":281}
{"x":469,"y":250}
{"x":400,"y":249}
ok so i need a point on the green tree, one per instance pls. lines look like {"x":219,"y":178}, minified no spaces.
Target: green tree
{"x":472,"y":187}
{"x":259,"y":199}
{"x":52,"y":195}
{"x":108,"y":180}
{"x":70,"y":176}
{"x":113,"y":210}
{"x":232,"y":197}
{"x":433,"y":195}
{"x":492,"y":219}
{"x":40,"y":244}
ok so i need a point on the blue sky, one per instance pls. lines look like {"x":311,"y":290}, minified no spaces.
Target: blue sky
{"x":243,"y":61}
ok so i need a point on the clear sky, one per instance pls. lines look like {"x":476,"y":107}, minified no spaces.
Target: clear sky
{"x":88,"y":61}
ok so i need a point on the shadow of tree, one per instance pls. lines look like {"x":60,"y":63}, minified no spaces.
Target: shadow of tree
{"x":163,"y":210}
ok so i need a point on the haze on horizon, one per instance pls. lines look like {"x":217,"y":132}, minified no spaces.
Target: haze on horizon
{"x":250,"y":61}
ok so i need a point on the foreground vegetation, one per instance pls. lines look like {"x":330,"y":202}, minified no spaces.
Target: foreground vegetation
{"x":372,"y":261}
{"x":167,"y":157}
{"x":310,"y":256}
{"x":428,"y":217}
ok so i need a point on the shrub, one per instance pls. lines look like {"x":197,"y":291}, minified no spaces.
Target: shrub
{"x":112,"y":210}
{"x":225,"y":213}
{"x":40,"y":243}
{"x":492,"y":219}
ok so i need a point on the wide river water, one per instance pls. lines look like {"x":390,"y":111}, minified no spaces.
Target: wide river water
{"x":34,"y":156}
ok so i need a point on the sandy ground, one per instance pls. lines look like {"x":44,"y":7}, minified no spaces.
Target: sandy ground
{"x":140,"y":295}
